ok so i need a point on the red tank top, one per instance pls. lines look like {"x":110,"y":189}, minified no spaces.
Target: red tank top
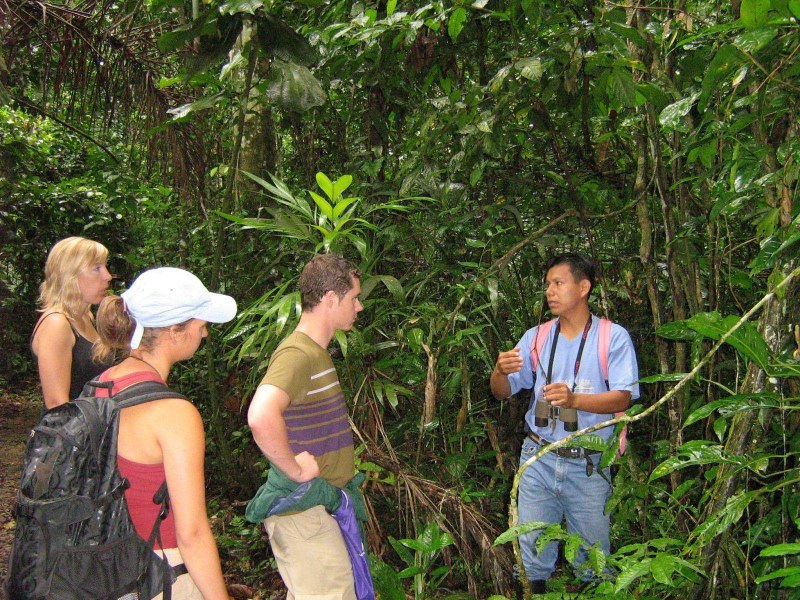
{"x":145,"y":479}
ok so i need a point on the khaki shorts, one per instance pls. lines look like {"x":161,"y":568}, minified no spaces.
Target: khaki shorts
{"x":311,"y":556}
{"x":184,"y":587}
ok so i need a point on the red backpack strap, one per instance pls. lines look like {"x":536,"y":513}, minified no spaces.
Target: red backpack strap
{"x":542,"y":333}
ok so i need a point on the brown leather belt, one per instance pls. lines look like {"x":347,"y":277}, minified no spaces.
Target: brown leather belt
{"x":563,"y":451}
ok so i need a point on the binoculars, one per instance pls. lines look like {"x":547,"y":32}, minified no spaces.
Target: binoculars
{"x":544,"y":412}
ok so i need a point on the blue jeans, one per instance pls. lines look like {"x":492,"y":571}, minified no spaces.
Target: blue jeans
{"x":554,"y":488}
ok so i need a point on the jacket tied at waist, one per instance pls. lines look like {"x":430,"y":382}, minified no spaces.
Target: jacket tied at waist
{"x":280,"y":495}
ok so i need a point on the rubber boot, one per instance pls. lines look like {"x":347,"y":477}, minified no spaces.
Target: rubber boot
{"x":538,"y":586}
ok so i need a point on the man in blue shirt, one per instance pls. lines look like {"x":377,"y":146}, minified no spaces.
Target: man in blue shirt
{"x":567,"y":483}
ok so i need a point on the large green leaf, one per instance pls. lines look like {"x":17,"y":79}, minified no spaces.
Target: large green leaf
{"x":664,"y":377}
{"x":518,"y":530}
{"x":456,"y":22}
{"x":621,"y":89}
{"x":752,"y":41}
{"x":198,"y":105}
{"x":754,"y":13}
{"x":781,"y":549}
{"x":232,"y":7}
{"x":293,"y":87}
{"x":632,"y":571}
{"x":771,"y":250}
{"x":747,"y":340}
{"x":720,"y":522}
{"x":727,"y":59}
{"x":391,"y":283}
{"x":677,"y":330}
{"x":694,"y":453}
{"x":732,"y":404}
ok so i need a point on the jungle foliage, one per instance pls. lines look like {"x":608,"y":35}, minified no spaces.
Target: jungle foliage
{"x":449,"y":148}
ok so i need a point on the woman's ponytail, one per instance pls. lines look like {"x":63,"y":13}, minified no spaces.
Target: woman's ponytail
{"x":114,"y":328}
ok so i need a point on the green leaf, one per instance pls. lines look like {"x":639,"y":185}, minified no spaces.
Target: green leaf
{"x":402,"y":551}
{"x":325,"y":184}
{"x":727,"y":59}
{"x":731,"y":514}
{"x":232,"y":7}
{"x":390,"y":7}
{"x":323,"y":205}
{"x":621,"y":89}
{"x":794,"y":7}
{"x":571,"y":547}
{"x":201,"y":104}
{"x":662,"y":568}
{"x":671,"y":117}
{"x":660,"y":378}
{"x":781,"y":550}
{"x":387,"y":583}
{"x":720,"y":426}
{"x":677,"y":330}
{"x":746,"y":339}
{"x":754,"y":13}
{"x":733,"y":404}
{"x":767,"y":256}
{"x":341,"y":338}
{"x":785,"y":572}
{"x":753,"y":41}
{"x":294,"y":87}
{"x":392,"y":284}
{"x":341,"y":205}
{"x":630,"y":34}
{"x":530,"y":68}
{"x":341,"y":185}
{"x":693,"y":453}
{"x":518,"y":530}
{"x":631,"y":573}
{"x":456,"y":22}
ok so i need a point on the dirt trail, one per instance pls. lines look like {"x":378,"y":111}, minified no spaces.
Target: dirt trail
{"x":18,"y":413}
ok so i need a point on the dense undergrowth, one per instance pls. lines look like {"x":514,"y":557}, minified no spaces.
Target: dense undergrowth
{"x":448,"y":148}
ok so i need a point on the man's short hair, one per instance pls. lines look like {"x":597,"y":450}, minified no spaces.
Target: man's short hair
{"x":580,"y":266}
{"x":325,"y":273}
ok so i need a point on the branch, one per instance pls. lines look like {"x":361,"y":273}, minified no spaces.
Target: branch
{"x":63,"y":123}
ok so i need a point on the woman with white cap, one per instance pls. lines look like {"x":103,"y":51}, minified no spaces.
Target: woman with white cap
{"x":161,"y":319}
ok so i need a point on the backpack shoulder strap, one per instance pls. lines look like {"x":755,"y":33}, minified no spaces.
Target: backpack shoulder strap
{"x":145,"y":391}
{"x":603,"y":349}
{"x":542,"y":333}
{"x":603,"y":346}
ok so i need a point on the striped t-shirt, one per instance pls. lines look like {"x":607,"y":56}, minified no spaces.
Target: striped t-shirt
{"x":316,"y":418}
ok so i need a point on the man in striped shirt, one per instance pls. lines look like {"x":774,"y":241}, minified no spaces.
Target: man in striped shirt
{"x":299,"y":420}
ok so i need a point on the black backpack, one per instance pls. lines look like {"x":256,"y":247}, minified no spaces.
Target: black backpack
{"x":74,"y":536}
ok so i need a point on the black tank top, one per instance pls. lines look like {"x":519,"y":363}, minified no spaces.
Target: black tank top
{"x":83,"y":367}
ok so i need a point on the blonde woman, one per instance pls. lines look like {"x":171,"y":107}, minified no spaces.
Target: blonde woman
{"x":76,"y":277}
{"x":159,"y":321}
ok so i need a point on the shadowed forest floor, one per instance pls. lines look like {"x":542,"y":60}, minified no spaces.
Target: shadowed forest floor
{"x":19,"y":411}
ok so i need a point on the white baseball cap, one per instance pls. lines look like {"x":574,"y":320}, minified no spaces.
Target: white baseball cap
{"x":168,"y":296}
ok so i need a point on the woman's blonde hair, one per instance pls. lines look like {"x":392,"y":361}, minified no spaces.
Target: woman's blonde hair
{"x":60,"y":291}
